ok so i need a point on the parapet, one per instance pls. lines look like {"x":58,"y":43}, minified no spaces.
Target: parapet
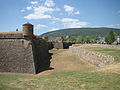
{"x":27,"y":31}
{"x":10,"y":35}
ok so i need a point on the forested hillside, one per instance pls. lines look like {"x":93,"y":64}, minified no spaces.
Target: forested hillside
{"x":81,"y":32}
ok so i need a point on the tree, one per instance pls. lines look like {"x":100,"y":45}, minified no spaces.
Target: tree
{"x":72,"y":38}
{"x":110,"y":37}
{"x":62,"y":38}
{"x":79,"y":39}
{"x":83,"y":39}
{"x":87,"y":39}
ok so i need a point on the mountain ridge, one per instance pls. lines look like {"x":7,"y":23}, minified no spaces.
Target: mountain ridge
{"x":103,"y":31}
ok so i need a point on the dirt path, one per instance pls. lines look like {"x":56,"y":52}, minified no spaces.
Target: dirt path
{"x":63,"y":60}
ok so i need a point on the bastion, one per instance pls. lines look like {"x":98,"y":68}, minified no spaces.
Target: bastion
{"x":23,"y":52}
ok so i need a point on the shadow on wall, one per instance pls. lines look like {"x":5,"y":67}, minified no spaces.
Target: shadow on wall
{"x":45,"y":65}
{"x":59,"y":45}
{"x":42,"y":56}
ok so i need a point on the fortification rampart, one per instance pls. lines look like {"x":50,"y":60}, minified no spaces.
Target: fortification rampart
{"x":96,"y":58}
{"x":10,"y":35}
{"x":59,"y":44}
{"x":16,"y":56}
{"x":41,"y":54}
{"x":22,"y":52}
{"x":102,"y":46}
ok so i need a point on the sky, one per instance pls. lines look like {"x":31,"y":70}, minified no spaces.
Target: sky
{"x":50,"y":15}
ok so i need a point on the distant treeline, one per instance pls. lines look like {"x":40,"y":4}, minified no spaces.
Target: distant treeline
{"x":110,"y":38}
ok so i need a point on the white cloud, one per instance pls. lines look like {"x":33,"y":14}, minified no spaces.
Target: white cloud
{"x":37,"y":16}
{"x":34,"y":2}
{"x":114,"y":25}
{"x":39,"y":26}
{"x":49,"y":3}
{"x":57,"y":9}
{"x":56,"y":19}
{"x":53,"y":22}
{"x":22,"y":10}
{"x":75,"y":24}
{"x":69,"y":9}
{"x":77,"y":13}
{"x":29,"y":8}
{"x":45,"y":10}
{"x":69,"y":20}
{"x":54,"y":29}
{"x":41,"y":12}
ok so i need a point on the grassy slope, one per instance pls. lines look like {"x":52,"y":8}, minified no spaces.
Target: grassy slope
{"x":67,"y":80}
{"x":62,"y":81}
{"x":63,"y":60}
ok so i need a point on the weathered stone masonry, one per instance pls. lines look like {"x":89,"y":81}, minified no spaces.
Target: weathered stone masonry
{"x":59,"y":44}
{"x":16,"y":56}
{"x":22,"y":52}
{"x":96,"y":58}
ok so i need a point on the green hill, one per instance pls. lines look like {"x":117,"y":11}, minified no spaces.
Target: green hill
{"x":81,"y":32}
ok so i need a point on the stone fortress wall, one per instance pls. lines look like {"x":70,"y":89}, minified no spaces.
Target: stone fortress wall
{"x":41,"y":54}
{"x":59,"y":44}
{"x":104,"y":46}
{"x":22,"y":52}
{"x":16,"y":56}
{"x":93,"y":57}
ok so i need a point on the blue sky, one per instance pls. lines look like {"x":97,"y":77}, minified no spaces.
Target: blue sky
{"x":50,"y":15}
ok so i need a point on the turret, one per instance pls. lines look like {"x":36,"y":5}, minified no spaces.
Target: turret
{"x":27,"y":29}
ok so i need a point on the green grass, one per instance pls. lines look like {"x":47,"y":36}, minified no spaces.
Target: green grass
{"x":62,"y":81}
{"x":77,"y":64}
{"x":72,"y":80}
{"x":113,"y":52}
{"x":82,"y":66}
